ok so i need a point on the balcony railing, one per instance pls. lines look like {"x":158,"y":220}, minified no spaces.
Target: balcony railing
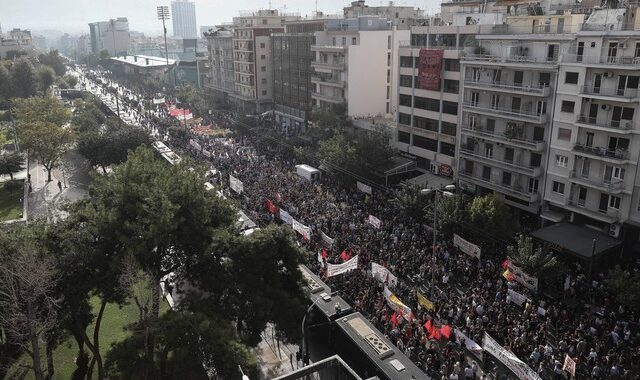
{"x":530,"y":29}
{"x":511,"y":87}
{"x":327,"y":48}
{"x":507,"y":112}
{"x":611,"y":214}
{"x":516,"y":190}
{"x":618,"y":154}
{"x":315,"y":78}
{"x":336,"y":64}
{"x":522,"y":167}
{"x":510,"y":59}
{"x":328,"y":98}
{"x":612,"y":186}
{"x":627,"y":93}
{"x":634,"y":62}
{"x":481,"y":132}
{"x":624,"y":125}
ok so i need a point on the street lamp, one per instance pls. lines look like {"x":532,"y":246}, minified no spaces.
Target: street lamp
{"x":244,"y":377}
{"x":447,"y":192}
{"x":322,"y":296}
{"x":163,"y":14}
{"x":115,"y":53}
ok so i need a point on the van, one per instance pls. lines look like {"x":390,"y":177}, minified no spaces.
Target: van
{"x":307,"y":172}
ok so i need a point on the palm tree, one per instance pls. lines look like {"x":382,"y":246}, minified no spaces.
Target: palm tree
{"x":538,"y":262}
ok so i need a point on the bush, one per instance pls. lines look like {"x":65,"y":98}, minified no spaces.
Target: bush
{"x":14,"y":186}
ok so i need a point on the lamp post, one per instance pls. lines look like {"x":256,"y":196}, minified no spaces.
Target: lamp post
{"x":305,"y":347}
{"x":115,"y":53}
{"x":163,"y":14}
{"x":446,"y":191}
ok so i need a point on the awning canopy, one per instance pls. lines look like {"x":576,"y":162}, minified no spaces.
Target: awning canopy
{"x":577,"y":240}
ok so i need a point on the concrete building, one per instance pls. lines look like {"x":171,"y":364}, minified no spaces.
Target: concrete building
{"x":356,"y":65}
{"x":112,"y":35}
{"x":592,"y":175}
{"x":142,"y":65}
{"x":291,"y":57}
{"x":402,"y":17}
{"x":253,"y":74}
{"x":220,"y":80}
{"x":16,"y":41}
{"x":183,"y":18}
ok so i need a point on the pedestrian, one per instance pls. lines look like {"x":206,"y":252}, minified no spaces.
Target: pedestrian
{"x":60,"y":186}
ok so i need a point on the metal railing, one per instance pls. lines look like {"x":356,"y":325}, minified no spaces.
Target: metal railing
{"x":621,"y":125}
{"x":601,"y":60}
{"x":610,"y":212}
{"x":532,"y":29}
{"x":627,"y":93}
{"x":514,"y":189}
{"x":612,"y":186}
{"x":531,"y":144}
{"x":508,"y":112}
{"x":531,"y":170}
{"x":618,"y":154}
{"x":317,"y":78}
{"x":510,"y":59}
{"x":525,"y":89}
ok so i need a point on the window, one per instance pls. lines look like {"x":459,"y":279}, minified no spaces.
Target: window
{"x":263,"y":80}
{"x":567,"y":106}
{"x":263,"y":69}
{"x":533,"y":185}
{"x":404,"y":137}
{"x":612,"y":173}
{"x":558,"y":187}
{"x":488,"y":150}
{"x":450,"y":108}
{"x":508,"y":154}
{"x":448,"y":128}
{"x":564,"y":134}
{"x":264,"y":92}
{"x":387,"y":107}
{"x":495,"y":101}
{"x":263,"y":57}
{"x":262,"y":45}
{"x":486,"y":173}
{"x":424,"y":123}
{"x":333,"y":41}
{"x":426,"y":103}
{"x":475,"y":97}
{"x":562,"y":161}
{"x":388,"y":59}
{"x":388,"y":76}
{"x":571,"y":77}
{"x":506,"y":178}
{"x":452,"y":65}
{"x":405,"y":100}
{"x":425,"y":143}
{"x":406,"y":80}
{"x":406,"y":61}
{"x":447,"y":149}
{"x":354,"y":41}
{"x":388,"y":42}
{"x":404,"y":118}
{"x":614,"y":202}
{"x":264,"y":21}
{"x":388,"y":92}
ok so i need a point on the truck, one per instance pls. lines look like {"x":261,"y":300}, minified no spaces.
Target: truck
{"x":308,"y":172}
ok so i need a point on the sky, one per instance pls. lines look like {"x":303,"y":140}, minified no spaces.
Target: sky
{"x":72,"y":16}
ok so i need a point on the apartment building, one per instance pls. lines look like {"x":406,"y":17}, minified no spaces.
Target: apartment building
{"x":427,"y":117}
{"x":253,"y":74}
{"x":508,"y":102}
{"x":402,"y":17}
{"x":356,"y":65}
{"x":291,"y":56}
{"x":592,"y":175}
{"x":112,"y":35}
{"x":220,"y":79}
{"x":16,"y":41}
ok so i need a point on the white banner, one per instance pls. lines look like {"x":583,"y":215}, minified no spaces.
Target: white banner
{"x":320,"y":260}
{"x":336,"y":269}
{"x":206,"y":153}
{"x":285,"y":217}
{"x":569,"y":366}
{"x":235,"y":184}
{"x":470,"y":344}
{"x":364,"y":188}
{"x":374,"y":221}
{"x":515,"y":365}
{"x":394,"y":302}
{"x":301,"y":229}
{"x":515,"y":297}
{"x":383,"y":274}
{"x":195,"y":144}
{"x":158,"y":100}
{"x":328,"y":242}
{"x":523,"y":279}
{"x":466,"y":247}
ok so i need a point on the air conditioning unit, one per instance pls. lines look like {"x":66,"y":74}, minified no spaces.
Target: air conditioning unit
{"x":608,"y":74}
{"x":614,"y":230}
{"x":606,"y":107}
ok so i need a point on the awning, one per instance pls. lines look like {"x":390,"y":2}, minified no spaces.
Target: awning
{"x":576,"y":240}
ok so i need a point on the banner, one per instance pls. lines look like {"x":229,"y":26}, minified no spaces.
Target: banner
{"x":468,"y":343}
{"x":374,"y":221}
{"x":336,"y":269}
{"x":285,"y":217}
{"x":430,"y":69}
{"x":515,"y":297}
{"x":515,"y":365}
{"x":569,"y":366}
{"x":326,"y":240}
{"x":522,"y":278}
{"x":466,"y":247}
{"x":235,"y":184}
{"x":383,"y":274}
{"x":397,"y":305}
{"x":206,"y":153}
{"x":158,"y":100}
{"x":364,"y":188}
{"x":195,"y":144}
{"x":301,"y":229}
{"x":425,"y":302}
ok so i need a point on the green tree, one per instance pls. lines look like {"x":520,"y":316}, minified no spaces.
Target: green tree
{"x":538,"y":262}
{"x":11,"y":163}
{"x":32,"y":110}
{"x":411,"y":201}
{"x":23,"y":78}
{"x":53,"y":60}
{"x":491,"y":220}
{"x":47,"y":142}
{"x":179,"y":135}
{"x":451,"y":214}
{"x":46,"y":77}
{"x":373,"y":149}
{"x":339,"y":155}
{"x":625,"y":286}
{"x":5,"y":83}
{"x":332,"y":117}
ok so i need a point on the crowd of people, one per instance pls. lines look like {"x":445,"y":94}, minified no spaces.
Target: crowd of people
{"x":469,"y":294}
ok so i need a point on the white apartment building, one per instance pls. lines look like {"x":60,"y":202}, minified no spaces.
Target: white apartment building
{"x":356,"y":65}
{"x":183,"y":18}
{"x":592,"y":175}
{"x":112,"y":35}
{"x":16,"y":41}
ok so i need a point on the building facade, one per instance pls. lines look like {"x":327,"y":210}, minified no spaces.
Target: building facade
{"x":183,"y":18}
{"x":112,"y":35}
{"x":402,"y":17}
{"x":16,"y":41}
{"x":220,"y":81}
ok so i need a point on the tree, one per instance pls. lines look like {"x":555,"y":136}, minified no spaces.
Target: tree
{"x":339,"y":155}
{"x":373,"y":148}
{"x":625,"y":285}
{"x":35,"y":109}
{"x":47,"y":142}
{"x":53,"y":60}
{"x":23,"y":78}
{"x":411,"y":201}
{"x":491,"y":220}
{"x":5,"y":83}
{"x":333,"y":117}
{"x":538,"y":262}
{"x":46,"y":76}
{"x":10,"y":164}
{"x":451,"y":214}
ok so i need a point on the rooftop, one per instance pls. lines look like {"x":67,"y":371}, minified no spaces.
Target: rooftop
{"x":144,"y":61}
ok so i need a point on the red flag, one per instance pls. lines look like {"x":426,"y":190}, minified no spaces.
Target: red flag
{"x":435,"y":334}
{"x":346,"y":256}
{"x":506,"y":263}
{"x":270,"y":206}
{"x":428,"y":326}
{"x":324,"y":253}
{"x":394,"y":320}
{"x":445,"y":331}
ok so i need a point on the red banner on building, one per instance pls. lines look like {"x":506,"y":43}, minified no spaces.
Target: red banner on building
{"x":429,"y":69}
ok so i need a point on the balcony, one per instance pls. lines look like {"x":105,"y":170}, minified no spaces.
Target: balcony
{"x":508,"y":113}
{"x":622,"y":127}
{"x":327,"y":48}
{"x":534,"y":90}
{"x":611,"y":215}
{"x":335,"y":99}
{"x":327,"y":81}
{"x":536,"y":146}
{"x":602,"y":152}
{"x":627,"y":63}
{"x":612,"y":186}
{"x":622,"y":95}
{"x":508,"y":165}
{"x":514,"y":191}
{"x":329,"y":65}
{"x":522,"y":60}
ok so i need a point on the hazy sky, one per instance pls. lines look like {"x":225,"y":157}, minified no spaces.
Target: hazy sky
{"x":72,"y":16}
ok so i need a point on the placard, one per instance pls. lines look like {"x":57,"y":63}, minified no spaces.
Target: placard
{"x":466,"y":246}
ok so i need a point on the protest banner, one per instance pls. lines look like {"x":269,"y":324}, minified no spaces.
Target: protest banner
{"x":301,"y":229}
{"x":466,"y":246}
{"x":364,"y":188}
{"x":235,"y":184}
{"x":425,"y":302}
{"x":336,"y":269}
{"x":569,"y":365}
{"x":469,"y":344}
{"x":383,"y":274}
{"x":374,"y":221}
{"x":521,"y":370}
{"x":394,"y":302}
{"x":515,"y":297}
{"x":194,"y":144}
{"x":326,"y":240}
{"x":285,"y":217}
{"x":519,"y":275}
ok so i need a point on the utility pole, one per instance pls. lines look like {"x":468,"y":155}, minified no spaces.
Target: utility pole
{"x":115,"y":54}
{"x":163,"y":14}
